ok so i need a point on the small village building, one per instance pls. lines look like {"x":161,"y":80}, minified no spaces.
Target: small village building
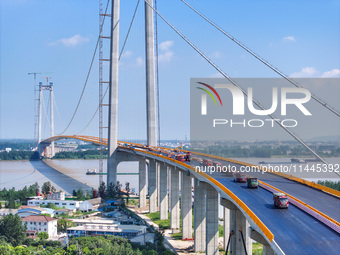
{"x":5,"y":211}
{"x":126,"y":231}
{"x":41,"y":224}
{"x":68,"y":204}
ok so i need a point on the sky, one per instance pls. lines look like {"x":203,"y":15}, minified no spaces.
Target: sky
{"x":58,"y":39}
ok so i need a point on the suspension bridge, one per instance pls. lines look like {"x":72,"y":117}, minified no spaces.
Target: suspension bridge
{"x":310,"y":226}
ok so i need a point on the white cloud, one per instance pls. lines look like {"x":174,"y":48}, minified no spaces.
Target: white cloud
{"x":216,"y":75}
{"x":305,"y":73}
{"x":289,"y":38}
{"x":70,"y":42}
{"x":311,"y":72}
{"x":216,"y":54}
{"x":127,"y":54}
{"x":331,"y":74}
{"x":139,"y":61}
{"x":166,"y":55}
{"x":166,"y":45}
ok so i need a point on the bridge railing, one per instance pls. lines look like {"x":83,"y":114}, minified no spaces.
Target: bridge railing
{"x":287,"y":176}
{"x":238,"y":201}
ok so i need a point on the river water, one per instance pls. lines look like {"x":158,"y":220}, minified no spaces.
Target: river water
{"x":69,"y":175}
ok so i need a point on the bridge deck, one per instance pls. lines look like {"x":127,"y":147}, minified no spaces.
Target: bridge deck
{"x":294,"y":231}
{"x":325,"y":203}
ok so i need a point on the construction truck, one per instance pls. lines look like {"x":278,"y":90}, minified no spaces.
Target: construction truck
{"x":240,"y":177}
{"x":207,"y":162}
{"x":280,"y":200}
{"x":252,"y":182}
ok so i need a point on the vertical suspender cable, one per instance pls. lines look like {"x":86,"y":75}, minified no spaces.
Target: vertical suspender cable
{"x":235,"y":84}
{"x":261,"y":59}
{"x":120,"y":55}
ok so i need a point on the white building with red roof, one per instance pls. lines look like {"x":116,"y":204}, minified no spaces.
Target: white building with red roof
{"x":41,"y":224}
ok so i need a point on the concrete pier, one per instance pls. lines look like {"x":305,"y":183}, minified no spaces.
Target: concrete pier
{"x":152,"y":182}
{"x":226,"y":227}
{"x":163,"y":192}
{"x":186,"y":206}
{"x":174,"y":200}
{"x":199,"y":216}
{"x":267,"y":250}
{"x":142,"y":182}
{"x":211,"y":220}
{"x":240,"y":226}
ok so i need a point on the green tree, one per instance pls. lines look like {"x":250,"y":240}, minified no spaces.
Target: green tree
{"x":11,"y":203}
{"x":72,"y":250}
{"x":63,"y":225}
{"x":74,"y":193}
{"x":6,"y":250}
{"x":102,"y":189}
{"x":12,"y":229}
{"x":47,"y":188}
{"x":111,"y":190}
{"x":80,"y":194}
{"x":86,"y":251}
{"x":127,"y":188}
{"x":43,"y":235}
{"x":50,"y":205}
{"x":118,"y":189}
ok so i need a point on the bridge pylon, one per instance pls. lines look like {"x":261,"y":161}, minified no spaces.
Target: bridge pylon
{"x":49,"y":153}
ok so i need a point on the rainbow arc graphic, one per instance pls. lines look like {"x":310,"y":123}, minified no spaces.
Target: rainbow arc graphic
{"x":204,"y":97}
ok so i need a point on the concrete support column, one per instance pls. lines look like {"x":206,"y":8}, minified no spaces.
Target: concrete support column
{"x":152,"y":181}
{"x":112,"y":171}
{"x":212,"y":220}
{"x":226,"y":227}
{"x":186,"y":207}
{"x":163,"y":192}
{"x":199,"y":215}
{"x":142,"y":182}
{"x":174,"y":200}
{"x":158,"y":184}
{"x":267,"y":250}
{"x":238,"y":222}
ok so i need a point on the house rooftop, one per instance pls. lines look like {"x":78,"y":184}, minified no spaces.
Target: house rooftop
{"x":96,"y":201}
{"x":38,"y":218}
{"x":28,"y":206}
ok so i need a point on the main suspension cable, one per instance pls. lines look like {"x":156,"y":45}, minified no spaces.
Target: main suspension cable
{"x":88,"y":74}
{"x":235,"y":84}
{"x":120,"y":55}
{"x":261,"y":59}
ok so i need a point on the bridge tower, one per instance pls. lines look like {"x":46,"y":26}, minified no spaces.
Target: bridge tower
{"x":113,"y":83}
{"x":150,"y":76}
{"x":48,"y":86}
{"x":113,"y":94}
